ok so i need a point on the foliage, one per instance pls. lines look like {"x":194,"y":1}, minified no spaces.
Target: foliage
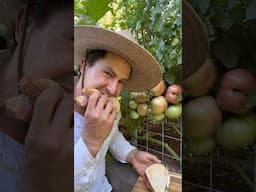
{"x":232,"y":30}
{"x":5,"y":38}
{"x":157,"y":26}
{"x":155,"y":23}
{"x":90,"y":11}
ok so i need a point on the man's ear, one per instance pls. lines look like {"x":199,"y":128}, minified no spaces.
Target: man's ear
{"x":20,"y":22}
{"x":82,"y":66}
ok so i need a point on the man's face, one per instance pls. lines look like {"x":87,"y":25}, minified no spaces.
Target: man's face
{"x":108,"y":75}
{"x":49,"y":49}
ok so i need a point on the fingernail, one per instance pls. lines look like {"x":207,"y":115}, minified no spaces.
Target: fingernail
{"x":84,"y":101}
{"x":25,"y":112}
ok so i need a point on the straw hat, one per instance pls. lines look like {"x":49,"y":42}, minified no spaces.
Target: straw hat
{"x":146,"y":72}
{"x":195,"y":43}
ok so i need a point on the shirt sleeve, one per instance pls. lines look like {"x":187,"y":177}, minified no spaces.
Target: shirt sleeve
{"x":83,"y":167}
{"x":120,"y":148}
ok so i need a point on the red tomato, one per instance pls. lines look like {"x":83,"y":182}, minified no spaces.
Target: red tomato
{"x":235,"y":87}
{"x":173,"y":94}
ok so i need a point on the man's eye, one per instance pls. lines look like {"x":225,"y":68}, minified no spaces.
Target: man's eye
{"x":108,"y":73}
{"x":122,"y":82}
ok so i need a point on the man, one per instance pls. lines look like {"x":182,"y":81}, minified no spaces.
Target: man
{"x":110,"y":63}
{"x":38,"y":156}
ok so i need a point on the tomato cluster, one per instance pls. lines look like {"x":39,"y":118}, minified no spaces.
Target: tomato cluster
{"x":158,"y":103}
{"x":218,"y":109}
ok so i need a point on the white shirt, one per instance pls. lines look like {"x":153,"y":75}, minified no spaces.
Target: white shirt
{"x":11,"y":163}
{"x":89,"y":172}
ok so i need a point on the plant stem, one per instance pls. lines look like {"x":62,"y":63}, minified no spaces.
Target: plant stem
{"x":243,"y":175}
{"x":176,"y":129}
{"x":165,"y":145}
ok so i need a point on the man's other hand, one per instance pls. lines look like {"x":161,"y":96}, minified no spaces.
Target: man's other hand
{"x":140,"y":160}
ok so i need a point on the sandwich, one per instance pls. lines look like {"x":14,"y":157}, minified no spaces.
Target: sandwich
{"x":89,"y":91}
{"x":158,"y":177}
{"x":30,"y":90}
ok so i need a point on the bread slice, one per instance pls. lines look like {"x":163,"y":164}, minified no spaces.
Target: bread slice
{"x":89,"y":91}
{"x":115,"y":103}
{"x":158,"y":177}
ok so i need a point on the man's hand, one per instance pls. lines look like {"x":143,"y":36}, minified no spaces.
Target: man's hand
{"x":81,"y":105}
{"x":49,"y":143}
{"x":140,"y":160}
{"x":99,"y":116}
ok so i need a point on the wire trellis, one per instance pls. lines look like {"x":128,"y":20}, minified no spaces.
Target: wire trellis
{"x":224,"y":173}
{"x":163,"y":141}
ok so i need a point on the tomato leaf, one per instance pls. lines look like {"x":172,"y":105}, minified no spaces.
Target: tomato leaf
{"x":97,"y":8}
{"x":250,"y":11}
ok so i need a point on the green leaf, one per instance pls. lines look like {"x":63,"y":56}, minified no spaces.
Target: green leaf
{"x":85,"y":20}
{"x":225,"y":20}
{"x":251,"y":100}
{"x":5,"y":34}
{"x":178,"y":21}
{"x":179,"y":59}
{"x":233,"y":3}
{"x":175,"y":41}
{"x":170,"y":76}
{"x":97,"y":8}
{"x":203,"y":5}
{"x":227,"y":52}
{"x":209,"y":27}
{"x":178,"y":3}
{"x":250,"y":11}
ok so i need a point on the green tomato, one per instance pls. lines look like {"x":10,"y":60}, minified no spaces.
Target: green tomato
{"x":202,"y":146}
{"x":133,"y":104}
{"x":141,"y":97}
{"x":158,"y":117}
{"x":201,"y":117}
{"x":142,"y":109}
{"x":134,"y":115}
{"x":237,"y":132}
{"x":173,"y":111}
{"x":158,"y":105}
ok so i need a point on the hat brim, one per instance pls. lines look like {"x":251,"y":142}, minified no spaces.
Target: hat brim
{"x":195,"y":43}
{"x":146,"y":72}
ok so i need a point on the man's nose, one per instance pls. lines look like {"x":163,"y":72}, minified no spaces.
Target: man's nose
{"x":113,"y":88}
